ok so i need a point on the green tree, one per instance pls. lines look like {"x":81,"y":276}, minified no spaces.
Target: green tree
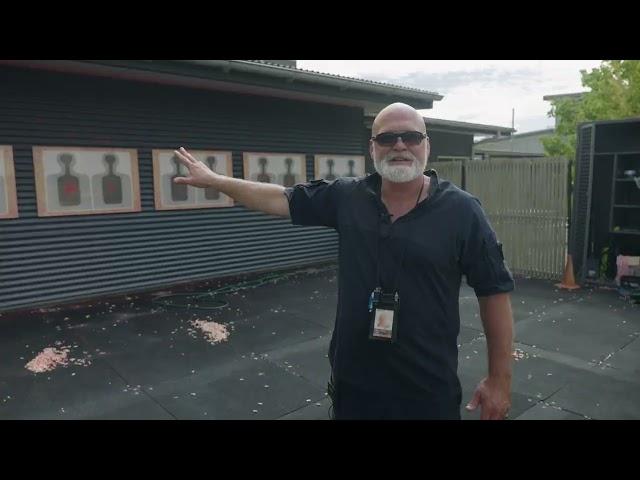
{"x":614,"y":94}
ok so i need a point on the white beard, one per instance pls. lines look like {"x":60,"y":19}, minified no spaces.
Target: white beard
{"x":399,"y":173}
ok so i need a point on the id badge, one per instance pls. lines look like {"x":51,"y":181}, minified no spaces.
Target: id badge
{"x":384,"y":318}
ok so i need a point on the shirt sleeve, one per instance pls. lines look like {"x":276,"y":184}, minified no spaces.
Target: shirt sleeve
{"x":481,"y":257}
{"x":314,"y":203}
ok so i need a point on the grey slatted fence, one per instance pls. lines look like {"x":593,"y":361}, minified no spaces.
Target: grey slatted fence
{"x":526,"y":202}
{"x":451,"y":170}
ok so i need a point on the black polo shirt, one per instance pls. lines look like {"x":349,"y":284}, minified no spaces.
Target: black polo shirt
{"x":423,"y":255}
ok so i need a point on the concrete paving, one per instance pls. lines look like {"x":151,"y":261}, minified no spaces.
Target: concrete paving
{"x":577,"y":354}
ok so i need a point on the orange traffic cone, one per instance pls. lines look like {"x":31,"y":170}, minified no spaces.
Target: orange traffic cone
{"x":568,"y":280}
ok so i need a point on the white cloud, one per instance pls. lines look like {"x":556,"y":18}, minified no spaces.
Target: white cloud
{"x":478,"y":91}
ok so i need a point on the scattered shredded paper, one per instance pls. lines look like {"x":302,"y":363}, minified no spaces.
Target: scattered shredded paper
{"x":48,"y":360}
{"x":214,"y":332}
{"x":519,"y":354}
{"x":51,"y":357}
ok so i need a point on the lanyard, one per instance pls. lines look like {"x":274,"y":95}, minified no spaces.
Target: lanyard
{"x":404,"y":248}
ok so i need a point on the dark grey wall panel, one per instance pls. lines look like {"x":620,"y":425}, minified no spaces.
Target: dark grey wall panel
{"x":55,"y":259}
{"x":623,"y":136}
{"x":449,"y":144}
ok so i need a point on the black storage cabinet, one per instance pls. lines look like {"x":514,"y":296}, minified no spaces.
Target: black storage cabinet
{"x":606,"y":198}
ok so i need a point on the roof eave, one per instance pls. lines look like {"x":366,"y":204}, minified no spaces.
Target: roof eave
{"x":475,"y":128}
{"x":317,"y":77}
{"x":238,"y":77}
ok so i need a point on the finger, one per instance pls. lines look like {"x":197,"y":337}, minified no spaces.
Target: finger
{"x":180,"y":180}
{"x":473,"y":403}
{"x":188,"y":155}
{"x":184,"y":159}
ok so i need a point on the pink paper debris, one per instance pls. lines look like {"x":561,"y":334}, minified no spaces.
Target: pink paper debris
{"x":48,"y":359}
{"x":51,"y":357}
{"x":214,"y":332}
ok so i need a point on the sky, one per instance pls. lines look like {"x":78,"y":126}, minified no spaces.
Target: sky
{"x":476,"y":91}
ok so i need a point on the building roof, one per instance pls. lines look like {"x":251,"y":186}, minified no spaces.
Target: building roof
{"x":254,"y":77}
{"x":546,"y":131}
{"x":318,"y":76}
{"x":526,"y":144}
{"x":474,"y":128}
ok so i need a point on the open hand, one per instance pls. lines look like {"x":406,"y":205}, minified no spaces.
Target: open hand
{"x":199,"y":174}
{"x":494,"y":398}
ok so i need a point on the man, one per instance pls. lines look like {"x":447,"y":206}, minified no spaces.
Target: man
{"x":406,"y":239}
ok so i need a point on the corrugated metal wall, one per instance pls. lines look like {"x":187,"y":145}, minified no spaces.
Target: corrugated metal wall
{"x":55,"y":259}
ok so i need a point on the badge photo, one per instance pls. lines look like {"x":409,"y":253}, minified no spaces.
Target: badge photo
{"x":383,"y":323}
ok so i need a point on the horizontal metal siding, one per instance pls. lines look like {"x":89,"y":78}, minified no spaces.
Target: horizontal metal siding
{"x":56,"y":259}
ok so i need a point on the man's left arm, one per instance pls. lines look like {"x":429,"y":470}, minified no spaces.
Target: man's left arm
{"x":493,"y":393}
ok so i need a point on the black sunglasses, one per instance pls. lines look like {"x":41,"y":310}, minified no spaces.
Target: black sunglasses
{"x":389,"y":139}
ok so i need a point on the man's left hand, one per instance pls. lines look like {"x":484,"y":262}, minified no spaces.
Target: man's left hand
{"x":494,"y":398}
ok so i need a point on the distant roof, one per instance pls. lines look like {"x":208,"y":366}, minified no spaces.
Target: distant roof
{"x":473,"y":127}
{"x":546,"y":131}
{"x":523,"y":145}
{"x":563,"y":96}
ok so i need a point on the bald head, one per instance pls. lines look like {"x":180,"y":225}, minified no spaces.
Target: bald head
{"x":401,"y":162}
{"x":398,"y":113}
